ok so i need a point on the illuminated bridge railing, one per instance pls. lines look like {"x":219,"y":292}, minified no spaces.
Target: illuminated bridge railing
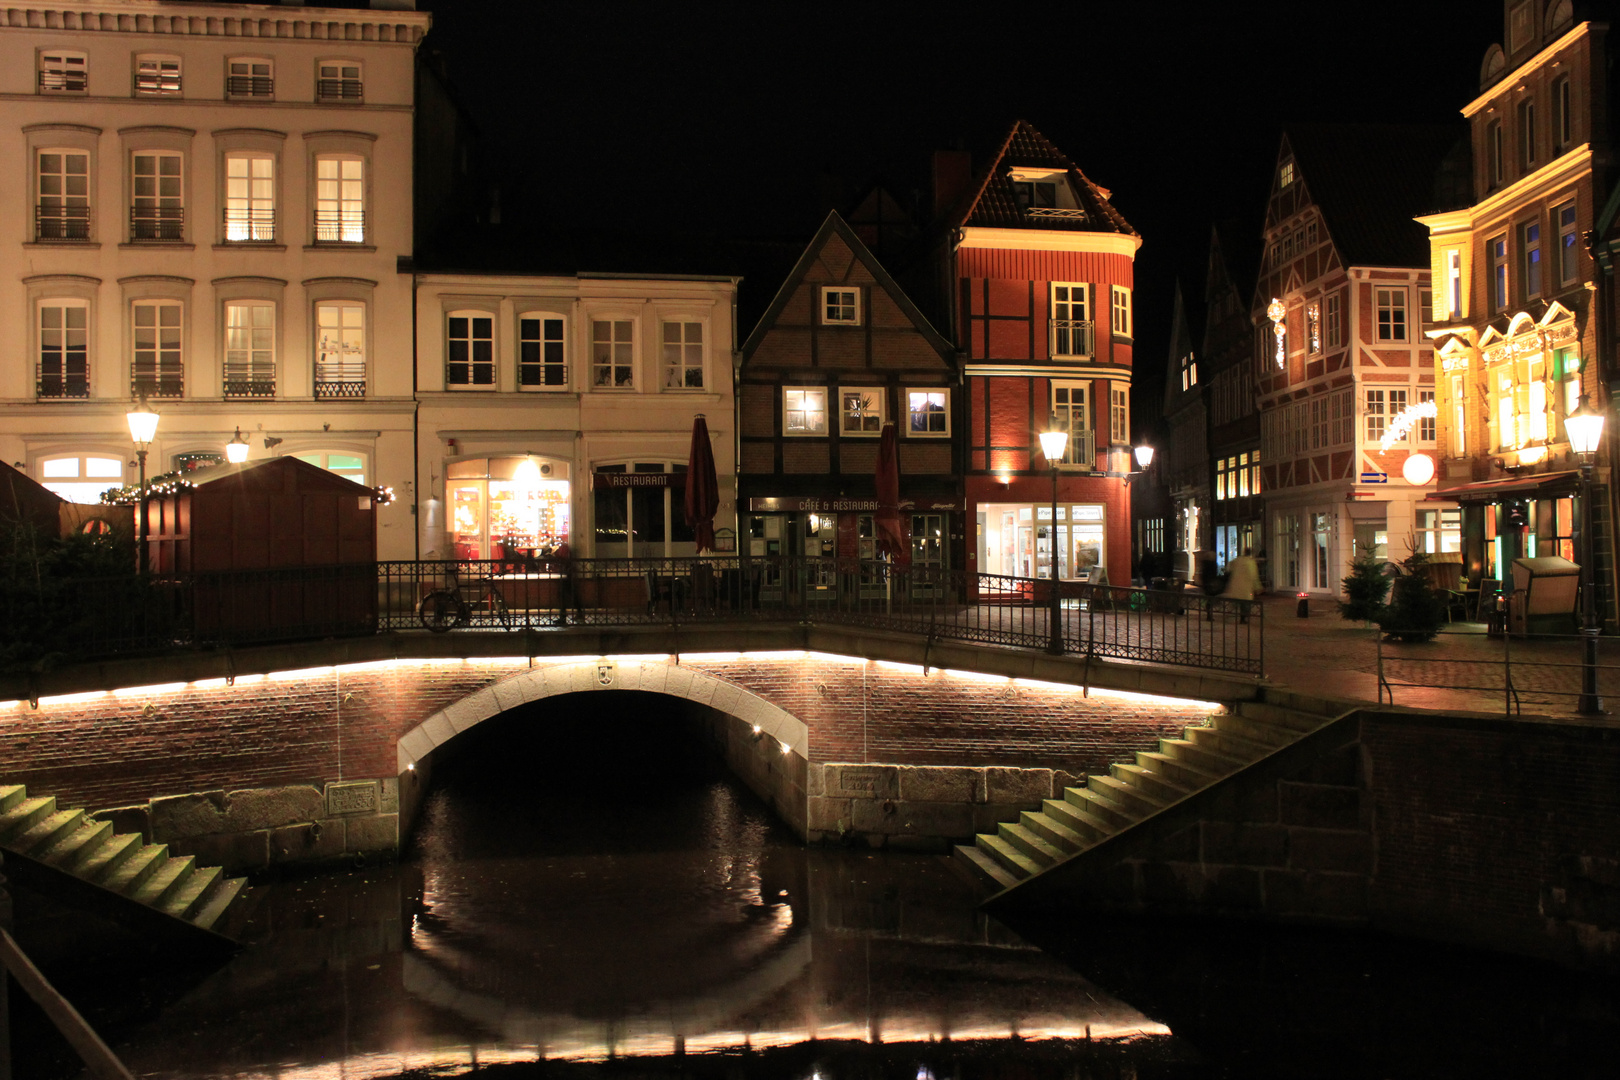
{"x":64,"y":621}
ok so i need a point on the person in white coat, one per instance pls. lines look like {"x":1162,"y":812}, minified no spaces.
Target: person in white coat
{"x":1243,"y":581}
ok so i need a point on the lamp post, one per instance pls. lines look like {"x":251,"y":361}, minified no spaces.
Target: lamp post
{"x":236,"y":451}
{"x":1053,"y":443}
{"x":1584,"y":426}
{"x":143,"y":424}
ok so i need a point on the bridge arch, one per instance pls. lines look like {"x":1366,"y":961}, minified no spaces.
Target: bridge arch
{"x":552,"y":680}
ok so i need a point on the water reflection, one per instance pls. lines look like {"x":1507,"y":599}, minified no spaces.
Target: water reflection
{"x":614,"y":896}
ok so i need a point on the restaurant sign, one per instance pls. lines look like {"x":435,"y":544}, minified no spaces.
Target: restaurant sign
{"x":605,"y":481}
{"x":843,"y":505}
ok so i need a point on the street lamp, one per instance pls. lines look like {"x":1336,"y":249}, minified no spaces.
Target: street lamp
{"x":1053,"y":443}
{"x":143,"y":424}
{"x":1144,"y":457}
{"x":1584,"y":426}
{"x":236,"y":451}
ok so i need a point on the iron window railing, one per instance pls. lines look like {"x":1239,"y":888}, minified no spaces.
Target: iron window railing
{"x":250,"y":225}
{"x":57,"y":380}
{"x":340,"y":89}
{"x":1072,"y":337}
{"x":164,"y":385}
{"x":157,"y":222}
{"x":340,"y":226}
{"x":339,"y":388}
{"x":250,"y":86}
{"x":62,"y":223}
{"x":245,"y":386}
{"x":64,"y":82}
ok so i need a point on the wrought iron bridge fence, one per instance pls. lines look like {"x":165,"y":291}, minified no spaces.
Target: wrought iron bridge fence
{"x":83,"y":619}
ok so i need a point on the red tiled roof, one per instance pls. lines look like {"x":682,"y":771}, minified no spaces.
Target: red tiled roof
{"x":990,"y":203}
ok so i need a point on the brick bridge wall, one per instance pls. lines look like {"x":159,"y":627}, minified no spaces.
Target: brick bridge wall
{"x":300,"y":766}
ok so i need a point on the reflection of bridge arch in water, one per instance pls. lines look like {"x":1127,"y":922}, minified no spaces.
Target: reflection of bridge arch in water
{"x":651,"y":676}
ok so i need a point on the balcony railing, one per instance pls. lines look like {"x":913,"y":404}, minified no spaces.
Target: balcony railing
{"x":240,"y":386}
{"x":1071,"y":337}
{"x":340,"y":89}
{"x":157,"y":222}
{"x":62,"y":223}
{"x":339,"y":388}
{"x":1081,"y":448}
{"x":250,"y":86}
{"x":64,"y":82}
{"x":157,"y":84}
{"x":166,"y":385}
{"x":54,"y":382}
{"x":250,"y":225}
{"x":340,"y":226}
{"x":1054,"y":212}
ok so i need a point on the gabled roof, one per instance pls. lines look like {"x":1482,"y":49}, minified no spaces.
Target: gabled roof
{"x":837,"y":226}
{"x":991,"y":203}
{"x":1370,"y":180}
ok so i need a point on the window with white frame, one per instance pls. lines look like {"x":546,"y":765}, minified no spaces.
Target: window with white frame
{"x":1121,"y":311}
{"x":250,"y":350}
{"x":1374,"y":413}
{"x":64,"y":349}
{"x":81,"y":478}
{"x":1563,"y":124}
{"x":1071,"y":319}
{"x":1439,"y":530}
{"x":804,"y":410}
{"x":861,"y":410}
{"x":613,"y":354}
{"x":63,"y":72}
{"x":1499,"y":273}
{"x":1285,"y":175}
{"x":63,"y":212}
{"x":1397,"y":406}
{"x":1333,"y":316}
{"x":1071,"y":412}
{"x":683,"y":355}
{"x":340,"y":350}
{"x":469,"y":349}
{"x":1527,"y":135}
{"x":1390,"y":305}
{"x":156,"y":366}
{"x":339,"y":80}
{"x":250,"y":77}
{"x":542,"y":357}
{"x":250,"y":198}
{"x":340,"y":200}
{"x":1119,"y":414}
{"x":158,"y":210}
{"x":1319,"y":423}
{"x":1569,"y":370}
{"x":1425,"y":424}
{"x":1568,"y":241}
{"x":157,"y":76}
{"x":1530,"y":259}
{"x":928,"y":412}
{"x":840,"y":306}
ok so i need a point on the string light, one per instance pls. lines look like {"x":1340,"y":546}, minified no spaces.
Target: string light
{"x":1404,"y":420}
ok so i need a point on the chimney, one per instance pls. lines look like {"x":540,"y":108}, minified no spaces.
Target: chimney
{"x":953,"y":170}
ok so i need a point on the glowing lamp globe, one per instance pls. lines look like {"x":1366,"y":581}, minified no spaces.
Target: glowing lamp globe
{"x":143,"y":423}
{"x":236,"y":451}
{"x":1144,"y":456}
{"x":1418,"y":470}
{"x":527,"y":474}
{"x":1053,"y":444}
{"x":1584,"y":427}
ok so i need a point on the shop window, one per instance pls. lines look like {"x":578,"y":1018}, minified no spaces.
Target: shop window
{"x":1439,"y":530}
{"x":81,"y":478}
{"x":804,"y":410}
{"x":613,"y":354}
{"x":641,"y":519}
{"x":1019,"y":539}
{"x":542,"y":356}
{"x":505,"y":507}
{"x":928,"y":412}
{"x":470,"y":349}
{"x":860,"y":410}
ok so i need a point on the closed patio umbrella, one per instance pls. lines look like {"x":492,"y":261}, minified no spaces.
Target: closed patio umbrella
{"x":890,"y":540}
{"x":702,"y":486}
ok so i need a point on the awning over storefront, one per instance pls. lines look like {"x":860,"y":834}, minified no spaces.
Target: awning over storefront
{"x":1541,"y":485}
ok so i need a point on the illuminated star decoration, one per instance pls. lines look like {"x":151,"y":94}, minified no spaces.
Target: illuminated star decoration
{"x":1402,"y":423}
{"x":1275,"y":312}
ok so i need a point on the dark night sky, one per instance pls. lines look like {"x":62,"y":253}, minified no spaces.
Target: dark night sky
{"x":751,"y":119}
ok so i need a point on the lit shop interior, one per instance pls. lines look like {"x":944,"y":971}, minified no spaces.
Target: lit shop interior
{"x":503,"y":506}
{"x":1016,"y":539}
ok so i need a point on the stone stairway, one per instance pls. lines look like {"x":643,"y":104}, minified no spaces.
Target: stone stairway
{"x":1133,"y":792}
{"x":72,"y":843}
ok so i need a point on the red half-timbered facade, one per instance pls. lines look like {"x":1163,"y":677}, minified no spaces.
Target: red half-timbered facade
{"x":1040,"y":266}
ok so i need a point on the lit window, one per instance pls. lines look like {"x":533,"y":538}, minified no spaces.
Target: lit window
{"x":1391,"y":305}
{"x":156,"y":368}
{"x":1286,"y":176}
{"x":1530,"y":253}
{"x":470,"y":349}
{"x":1313,"y":327}
{"x":929,"y":411}
{"x":1439,"y":530}
{"x":840,"y":307}
{"x":340,"y":200}
{"x":339,"y":81}
{"x":1071,"y":413}
{"x":64,"y":349}
{"x":1568,"y":272}
{"x":1119,"y":414}
{"x":804,"y":411}
{"x":542,"y":359}
{"x":683,"y":356}
{"x":1459,"y":441}
{"x":860,"y":410}
{"x":613,"y":354}
{"x":1121,"y":311}
{"x":157,"y":76}
{"x":81,"y":478}
{"x":159,"y":211}
{"x":1243,"y":475}
{"x":250,"y":78}
{"x":1071,"y":319}
{"x":250,"y":350}
{"x":250,"y":198}
{"x":64,"y":196}
{"x":1538,"y":409}
{"x":1507,"y":434}
{"x":63,"y":72}
{"x":340,"y":350}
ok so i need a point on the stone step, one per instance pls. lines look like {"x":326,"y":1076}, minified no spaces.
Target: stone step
{"x":1006,"y":856}
{"x":182,"y":901}
{"x":11,"y":795}
{"x":1304,"y":703}
{"x":99,"y":863}
{"x":1029,"y":842}
{"x":1282,"y":716}
{"x":132,"y":873}
{"x":1081,"y":822}
{"x":983,"y":868}
{"x":1176,"y":770}
{"x":1159,"y":785}
{"x":1052,"y":831}
{"x":76,"y":846}
{"x":213,"y":909}
{"x":23,"y":815}
{"x":46,"y":831}
{"x":1259,"y":731}
{"x":1134,"y":800}
{"x":163,"y":881}
{"x":1098,"y":805}
{"x":1236,"y":747}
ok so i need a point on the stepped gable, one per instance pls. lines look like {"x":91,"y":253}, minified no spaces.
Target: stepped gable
{"x":991,"y":203}
{"x":1371,"y":180}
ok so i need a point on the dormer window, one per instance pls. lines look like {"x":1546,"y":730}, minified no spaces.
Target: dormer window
{"x":1037,"y":194}
{"x":840,"y":306}
{"x":1044,"y":193}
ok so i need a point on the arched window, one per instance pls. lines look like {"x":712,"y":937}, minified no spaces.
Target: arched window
{"x":345,"y":463}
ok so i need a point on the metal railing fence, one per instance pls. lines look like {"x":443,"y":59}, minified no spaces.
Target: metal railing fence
{"x":1502,"y":671}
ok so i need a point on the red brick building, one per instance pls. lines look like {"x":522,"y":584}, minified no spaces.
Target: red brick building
{"x":1039,"y":267}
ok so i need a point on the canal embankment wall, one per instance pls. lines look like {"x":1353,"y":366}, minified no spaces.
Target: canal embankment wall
{"x":1493,"y":832}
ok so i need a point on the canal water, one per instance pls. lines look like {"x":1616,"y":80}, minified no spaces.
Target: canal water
{"x":591,"y":894}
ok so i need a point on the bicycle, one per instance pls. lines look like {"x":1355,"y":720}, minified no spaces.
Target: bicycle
{"x":443,"y":610}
